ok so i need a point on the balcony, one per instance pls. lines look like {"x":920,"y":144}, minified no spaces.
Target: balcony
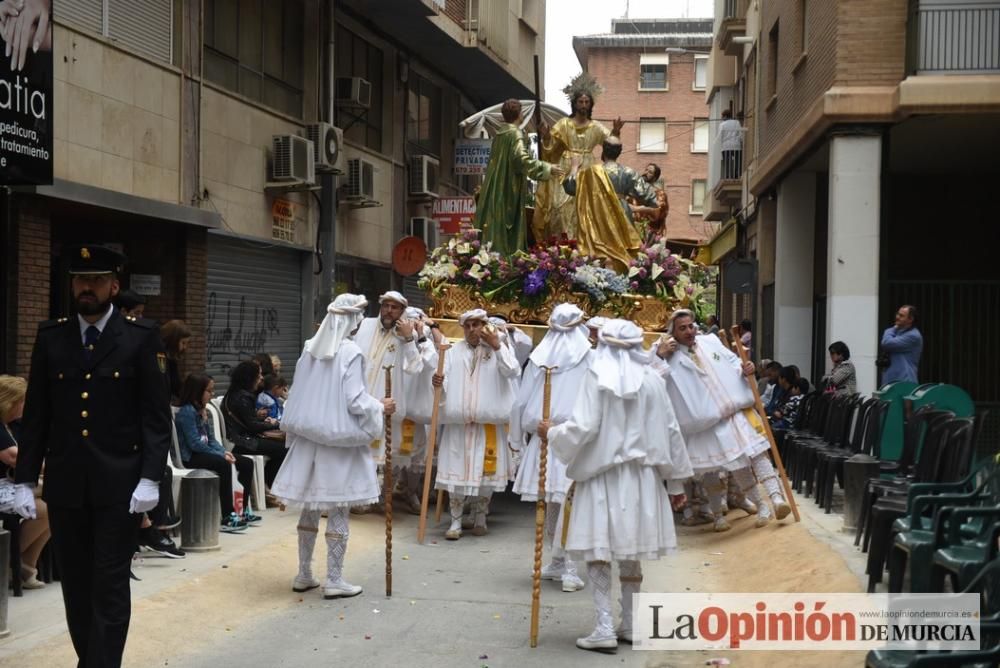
{"x":733,"y":25}
{"x":953,"y":37}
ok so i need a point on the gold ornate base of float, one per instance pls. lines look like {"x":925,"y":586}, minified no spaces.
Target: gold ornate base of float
{"x":650,"y":313}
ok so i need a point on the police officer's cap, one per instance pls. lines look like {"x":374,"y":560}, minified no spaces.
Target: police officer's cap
{"x":95,"y":259}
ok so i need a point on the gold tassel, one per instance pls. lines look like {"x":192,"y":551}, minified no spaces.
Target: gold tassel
{"x":406,"y":445}
{"x":754,"y":420}
{"x":490,"y":460}
{"x":376,"y":444}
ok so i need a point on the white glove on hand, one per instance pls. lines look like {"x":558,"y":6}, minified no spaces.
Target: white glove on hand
{"x":145,"y":497}
{"x":24,"y":501}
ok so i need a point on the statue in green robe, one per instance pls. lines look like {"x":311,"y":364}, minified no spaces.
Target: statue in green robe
{"x":500,"y":207}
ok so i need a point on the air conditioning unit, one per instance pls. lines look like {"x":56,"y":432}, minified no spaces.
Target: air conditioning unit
{"x":360,"y":181}
{"x":423,"y":176}
{"x":425,"y":229}
{"x":353,"y":92}
{"x":292,"y":159}
{"x":327,"y":142}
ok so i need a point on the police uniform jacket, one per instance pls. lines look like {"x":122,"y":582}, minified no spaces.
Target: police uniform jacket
{"x":98,"y":424}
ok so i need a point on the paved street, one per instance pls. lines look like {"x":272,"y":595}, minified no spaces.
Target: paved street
{"x":463,"y":604}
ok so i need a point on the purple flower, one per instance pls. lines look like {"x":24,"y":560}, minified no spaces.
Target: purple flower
{"x":642,"y":273}
{"x":534,"y":282}
{"x":634,"y":285}
{"x":689,"y":289}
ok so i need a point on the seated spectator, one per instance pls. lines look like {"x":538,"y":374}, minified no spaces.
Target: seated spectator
{"x":200,"y":450}
{"x":276,"y":365}
{"x":265,"y":363}
{"x":176,"y":335}
{"x":763,"y":381}
{"x":34,"y":533}
{"x":250,"y":434}
{"x":842,"y":378}
{"x":272,"y":398}
{"x":775,"y":395}
{"x":784,"y":417}
{"x":131,"y":304}
{"x":746,"y":335}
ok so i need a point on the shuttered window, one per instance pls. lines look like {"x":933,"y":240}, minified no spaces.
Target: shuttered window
{"x":145,"y":27}
{"x":254,"y":306}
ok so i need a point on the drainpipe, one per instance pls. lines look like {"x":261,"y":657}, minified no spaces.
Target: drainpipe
{"x":327,"y":243}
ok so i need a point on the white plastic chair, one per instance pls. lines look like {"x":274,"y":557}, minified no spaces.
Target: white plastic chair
{"x":175,"y":463}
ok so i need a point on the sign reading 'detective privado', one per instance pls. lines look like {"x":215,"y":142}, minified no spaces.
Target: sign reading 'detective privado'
{"x":26,"y":94}
{"x":472,"y":156}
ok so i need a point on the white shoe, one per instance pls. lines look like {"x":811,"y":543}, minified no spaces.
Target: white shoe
{"x":748,"y":506}
{"x":468,"y":521}
{"x":571,"y":583}
{"x":454,"y":532}
{"x":341,"y":589}
{"x":721,"y":524}
{"x":763,"y":516}
{"x":625,"y":635}
{"x":301,"y":584}
{"x":781,"y":507}
{"x":553,"y":570}
{"x":599,"y":642}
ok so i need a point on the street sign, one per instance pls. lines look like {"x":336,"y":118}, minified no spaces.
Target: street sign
{"x":472,"y":156}
{"x":450,"y":212}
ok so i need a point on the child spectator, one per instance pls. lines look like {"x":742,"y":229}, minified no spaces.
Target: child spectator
{"x":794,"y":388}
{"x":200,"y":450}
{"x":272,"y":398}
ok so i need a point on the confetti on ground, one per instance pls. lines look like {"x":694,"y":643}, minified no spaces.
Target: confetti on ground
{"x":406,"y":557}
{"x":483,"y":656}
{"x":717,"y":662}
{"x":413,"y":602}
{"x":368,"y":636}
{"x":718,"y":554}
{"x":496,"y":616}
{"x":376,"y":611}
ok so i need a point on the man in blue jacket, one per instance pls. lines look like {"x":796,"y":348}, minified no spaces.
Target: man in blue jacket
{"x":903,"y":344}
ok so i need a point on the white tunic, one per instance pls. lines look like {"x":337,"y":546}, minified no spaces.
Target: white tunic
{"x":526,"y":415}
{"x":619,"y":451}
{"x":381,"y":348}
{"x":713,"y":404}
{"x":330,"y":419}
{"x":419,"y":401}
{"x":478,"y":390}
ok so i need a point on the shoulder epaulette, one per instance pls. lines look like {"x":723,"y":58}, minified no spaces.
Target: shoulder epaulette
{"x":46,"y":324}
{"x":145,"y":323}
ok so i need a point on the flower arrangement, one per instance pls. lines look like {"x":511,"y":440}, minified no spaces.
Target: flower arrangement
{"x":654,"y":271}
{"x":464,"y":260}
{"x":600,"y":283}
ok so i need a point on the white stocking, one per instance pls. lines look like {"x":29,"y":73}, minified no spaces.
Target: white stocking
{"x":748,"y":483}
{"x":553,"y":522}
{"x":337,"y":533}
{"x":630,"y":576}
{"x":767,"y":476}
{"x":599,"y":573}
{"x":716,"y":492}
{"x":308,"y":529}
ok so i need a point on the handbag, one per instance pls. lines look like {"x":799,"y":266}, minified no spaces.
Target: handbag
{"x":243,"y":441}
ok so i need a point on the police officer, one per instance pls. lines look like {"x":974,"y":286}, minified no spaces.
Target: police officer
{"x":97,"y":414}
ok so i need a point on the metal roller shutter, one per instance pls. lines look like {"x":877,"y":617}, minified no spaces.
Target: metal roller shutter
{"x":87,"y":14}
{"x":144,"y":26}
{"x":254,"y":305}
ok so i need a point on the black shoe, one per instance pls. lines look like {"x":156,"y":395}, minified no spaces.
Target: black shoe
{"x":157,"y":541}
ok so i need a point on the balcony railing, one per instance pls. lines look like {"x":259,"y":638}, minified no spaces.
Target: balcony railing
{"x":734,"y":9}
{"x":734,"y":24}
{"x":953,"y":37}
{"x":490,"y":20}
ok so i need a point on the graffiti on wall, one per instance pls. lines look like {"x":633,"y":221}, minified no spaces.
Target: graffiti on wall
{"x":237,"y":329}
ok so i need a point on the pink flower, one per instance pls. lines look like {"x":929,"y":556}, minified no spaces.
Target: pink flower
{"x":635,"y":285}
{"x":689,"y":289}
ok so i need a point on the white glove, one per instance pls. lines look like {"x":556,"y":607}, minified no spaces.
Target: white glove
{"x":145,"y":497}
{"x":24,"y":500}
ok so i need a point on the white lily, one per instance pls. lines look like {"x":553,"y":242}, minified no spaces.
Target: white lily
{"x":633,"y":272}
{"x":657,"y":270}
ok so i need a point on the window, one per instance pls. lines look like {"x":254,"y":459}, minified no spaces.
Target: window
{"x":423,"y":115}
{"x":700,"y":73}
{"x":357,"y":58}
{"x":255,"y":48}
{"x":804,"y":24}
{"x":697,"y":196}
{"x":653,"y":71}
{"x":144,"y":27}
{"x":699,"y":141}
{"x":772,"y":61}
{"x":652,"y":135}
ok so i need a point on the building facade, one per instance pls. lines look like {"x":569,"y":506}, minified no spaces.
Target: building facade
{"x":654,"y":74}
{"x":166,"y":115}
{"x":869,"y":129}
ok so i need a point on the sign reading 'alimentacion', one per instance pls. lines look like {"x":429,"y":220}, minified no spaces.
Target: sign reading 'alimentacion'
{"x":26,"y":94}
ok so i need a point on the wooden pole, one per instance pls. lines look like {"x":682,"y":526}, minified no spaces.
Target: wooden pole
{"x":387,"y":485}
{"x":536,"y":576}
{"x":431,"y":444}
{"x":438,"y":506}
{"x":759,"y":405}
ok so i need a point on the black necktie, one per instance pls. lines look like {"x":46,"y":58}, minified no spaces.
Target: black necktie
{"x":90,"y":340}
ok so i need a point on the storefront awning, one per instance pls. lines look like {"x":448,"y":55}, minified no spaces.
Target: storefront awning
{"x":723,"y":243}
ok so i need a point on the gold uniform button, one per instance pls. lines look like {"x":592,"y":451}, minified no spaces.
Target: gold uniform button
{"x":87,"y":377}
{"x":60,"y":376}
{"x":84,"y":414}
{"x":84,"y":395}
{"x":85,"y":433}
{"x":117,"y":374}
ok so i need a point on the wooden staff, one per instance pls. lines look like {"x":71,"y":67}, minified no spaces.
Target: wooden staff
{"x":438,"y":506}
{"x":759,"y":405}
{"x":432,"y":442}
{"x":536,"y":576}
{"x":387,"y":485}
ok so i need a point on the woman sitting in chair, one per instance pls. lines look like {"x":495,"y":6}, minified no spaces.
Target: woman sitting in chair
{"x":34,"y":533}
{"x":250,"y":434}
{"x":200,"y":450}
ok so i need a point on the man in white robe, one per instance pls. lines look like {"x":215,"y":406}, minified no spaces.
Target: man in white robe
{"x":389,"y":339}
{"x":620,"y":443}
{"x":567,"y":349}
{"x":715,"y":408}
{"x":515,"y":338}
{"x":330,"y":420}
{"x":419,"y":403}
{"x":477,"y":397}
{"x":594,"y":326}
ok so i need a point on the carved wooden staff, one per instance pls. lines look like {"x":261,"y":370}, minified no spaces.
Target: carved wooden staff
{"x":431,"y":444}
{"x":543,"y":455}
{"x":387,"y":485}
{"x":759,"y":405}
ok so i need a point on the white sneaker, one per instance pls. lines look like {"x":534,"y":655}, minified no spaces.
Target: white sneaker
{"x":763,"y":516}
{"x":301,"y":584}
{"x":748,"y":506}
{"x":721,"y":524}
{"x":553,"y":571}
{"x":781,"y":507}
{"x":599,"y":643}
{"x":571,"y":583}
{"x":454,"y":532}
{"x":341,"y":589}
